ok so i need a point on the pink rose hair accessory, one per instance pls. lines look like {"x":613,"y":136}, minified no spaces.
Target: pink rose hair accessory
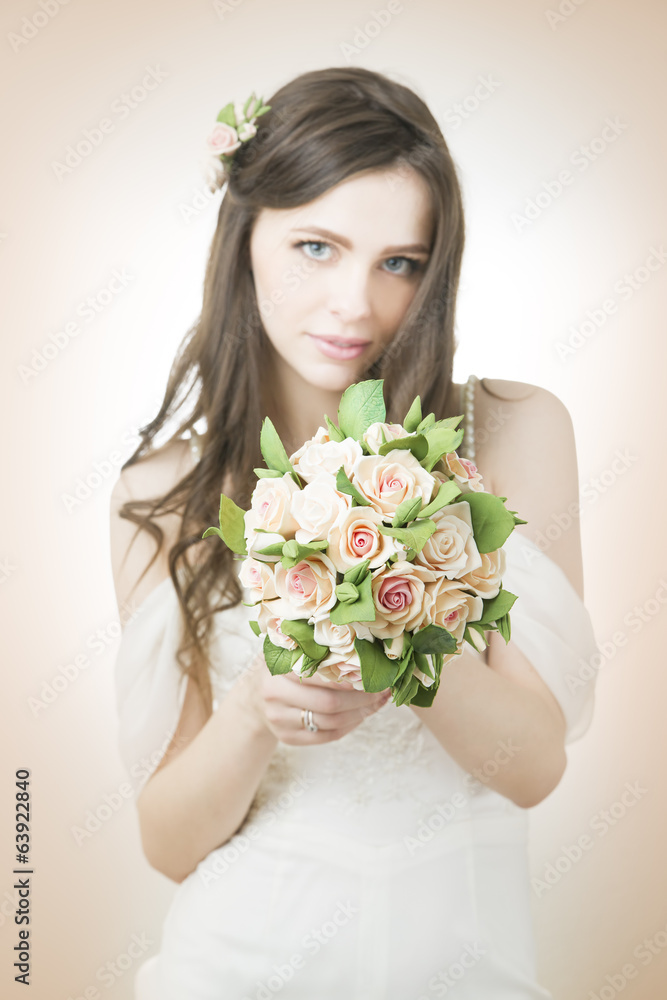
{"x":235,"y":124}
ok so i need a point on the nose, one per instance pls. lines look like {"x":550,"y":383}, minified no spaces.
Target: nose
{"x":349,"y":295}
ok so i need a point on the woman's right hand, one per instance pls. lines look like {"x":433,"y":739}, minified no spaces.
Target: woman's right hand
{"x":279,"y":700}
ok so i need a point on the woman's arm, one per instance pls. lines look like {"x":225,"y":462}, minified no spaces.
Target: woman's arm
{"x":201,"y":793}
{"x":503,"y":712}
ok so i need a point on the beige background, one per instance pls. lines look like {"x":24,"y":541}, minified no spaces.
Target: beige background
{"x":523,"y":288}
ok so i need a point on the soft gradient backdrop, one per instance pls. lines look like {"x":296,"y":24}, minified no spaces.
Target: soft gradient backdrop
{"x":128,"y":227}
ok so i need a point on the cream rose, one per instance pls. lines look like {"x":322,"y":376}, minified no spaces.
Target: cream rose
{"x":309,"y":586}
{"x":466,"y":474}
{"x":450,"y":607}
{"x":373,"y":435}
{"x":271,"y":506}
{"x":316,"y":507}
{"x":355,"y":536}
{"x":485,"y":580}
{"x":398,"y":595}
{"x":326,"y":457}
{"x":335,"y":667}
{"x":451,"y":549}
{"x":223,"y":138}
{"x":388,"y":480}
{"x":270,"y":617}
{"x":257,"y":577}
{"x":339,"y":638}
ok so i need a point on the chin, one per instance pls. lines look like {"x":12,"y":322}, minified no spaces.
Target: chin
{"x":332,"y":377}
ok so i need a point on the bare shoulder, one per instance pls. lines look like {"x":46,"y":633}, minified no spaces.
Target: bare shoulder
{"x":526,"y":451}
{"x":149,"y":478}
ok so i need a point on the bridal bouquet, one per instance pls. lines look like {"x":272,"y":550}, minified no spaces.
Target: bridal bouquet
{"x":373,"y":552}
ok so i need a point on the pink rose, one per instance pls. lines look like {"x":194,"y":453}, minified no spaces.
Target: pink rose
{"x":355,"y":536}
{"x":450,"y":607}
{"x":270,"y":617}
{"x":466,"y":474}
{"x":336,"y":668}
{"x":398,"y":594}
{"x":388,"y":480}
{"x":271,"y":506}
{"x":310,"y":586}
{"x":223,"y":139}
{"x":257,"y":578}
{"x":318,"y":457}
{"x":373,"y":435}
{"x":316,"y":507}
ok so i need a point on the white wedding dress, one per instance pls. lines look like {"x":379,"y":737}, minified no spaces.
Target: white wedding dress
{"x":369,"y":868}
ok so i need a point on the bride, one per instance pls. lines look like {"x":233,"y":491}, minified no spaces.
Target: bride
{"x":327,"y":843}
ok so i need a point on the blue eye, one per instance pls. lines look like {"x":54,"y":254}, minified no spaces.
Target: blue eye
{"x":313,"y":243}
{"x":413,"y":265}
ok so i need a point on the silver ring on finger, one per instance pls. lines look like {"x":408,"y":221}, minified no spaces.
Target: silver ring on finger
{"x":307,"y":720}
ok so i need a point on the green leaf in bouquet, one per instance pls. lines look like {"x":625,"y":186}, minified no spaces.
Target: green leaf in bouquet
{"x":226,"y":115}
{"x":355,"y":574}
{"x":268,"y":473}
{"x":416,"y":443}
{"x":361,"y":405}
{"x":445,"y":495}
{"x":406,"y":511}
{"x":377,"y":670}
{"x":232,"y":526}
{"x":293,"y":552}
{"x":504,"y":626}
{"x":492,"y":523}
{"x":304,"y":635}
{"x":413,"y":416}
{"x":414,"y":536}
{"x":343,"y":485}
{"x":255,"y":627}
{"x":354,"y":609}
{"x":424,"y":696}
{"x":405,"y":662}
{"x":440,"y":441}
{"x":496,"y":607}
{"x":433,"y":639}
{"x":428,"y":421}
{"x":407,"y":688}
{"x":273,"y":450}
{"x":279,"y":660}
{"x":335,"y":433}
{"x":274,"y":549}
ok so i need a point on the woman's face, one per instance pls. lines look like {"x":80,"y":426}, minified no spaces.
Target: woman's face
{"x":334,"y":278}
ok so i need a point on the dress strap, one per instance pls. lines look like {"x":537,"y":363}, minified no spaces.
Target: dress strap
{"x":467,"y":447}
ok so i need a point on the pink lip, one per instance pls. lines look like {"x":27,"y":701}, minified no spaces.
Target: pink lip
{"x":328,"y":347}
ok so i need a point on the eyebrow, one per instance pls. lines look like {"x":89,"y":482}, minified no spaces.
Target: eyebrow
{"x":406,"y":248}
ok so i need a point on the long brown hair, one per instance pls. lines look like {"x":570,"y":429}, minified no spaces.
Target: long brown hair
{"x":323,"y":127}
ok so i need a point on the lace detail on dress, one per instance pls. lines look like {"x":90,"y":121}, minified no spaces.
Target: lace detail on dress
{"x":379,"y":761}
